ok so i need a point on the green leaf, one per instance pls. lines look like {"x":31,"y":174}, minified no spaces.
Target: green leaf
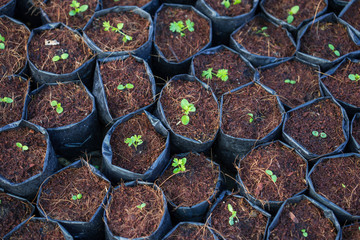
{"x":315,"y":133}
{"x":294,"y":10}
{"x":190,"y":25}
{"x":74,"y":197}
{"x":79,"y":196}
{"x":337,"y":53}
{"x":2,"y":39}
{"x":274,"y":178}
{"x":230,"y":208}
{"x":352,"y":77}
{"x":290,"y":19}
{"x":184,"y":103}
{"x":59,"y":109}
{"x":19,"y":145}
{"x":269,"y":172}
{"x":176,"y":170}
{"x":222,"y":74}
{"x":236,"y":2}
{"x":83,"y":8}
{"x":207,"y":74}
{"x":7,"y":100}
{"x":343,"y":185}
{"x":72,"y":13}
{"x":121,"y":87}
{"x":191,"y":108}
{"x":183,"y":161}
{"x":120,"y":26}
{"x":185,"y":119}
{"x":323,"y":135}
{"x":176,"y":26}
{"x":292,"y":82}
{"x":175,"y":162}
{"x":74,"y":4}
{"x":226,"y":3}
{"x":106,"y":25}
{"x":55,"y":58}
{"x":287,"y":81}
{"x":53,"y":103}
{"x":64,"y":56}
{"x":331,"y":47}
{"x":2,"y":46}
{"x":129,"y":86}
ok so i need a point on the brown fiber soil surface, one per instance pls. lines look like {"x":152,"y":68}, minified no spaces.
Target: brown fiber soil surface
{"x":134,"y":25}
{"x":112,"y":3}
{"x":275,"y":44}
{"x":41,"y":55}
{"x":338,"y":180}
{"x":74,"y":100}
{"x":36,"y":229}
{"x":12,"y":212}
{"x":177,"y":48}
{"x":316,"y":39}
{"x":351,"y":232}
{"x":289,"y":168}
{"x":200,"y":176}
{"x":303,"y":215}
{"x":3,"y":2}
{"x":323,"y":116}
{"x":356,"y":130}
{"x":307,"y":9}
{"x":238,"y":72}
{"x":341,"y":87}
{"x":58,"y":11}
{"x":16,"y":89}
{"x":137,"y":160}
{"x":305,"y":89}
{"x":13,"y":57}
{"x":56,"y":196}
{"x":254,"y":100}
{"x":251,"y":223}
{"x":122,"y":102}
{"x":125,"y":219}
{"x":351,"y":16}
{"x":17,"y":165}
{"x":234,"y":10}
{"x":204,"y":122}
{"x":187,"y":231}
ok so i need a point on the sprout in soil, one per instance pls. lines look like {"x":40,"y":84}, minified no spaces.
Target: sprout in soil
{"x":118,"y":28}
{"x":76,"y":197}
{"x":62,"y":56}
{"x":251,"y":117}
{"x":179,"y":165}
{"x":134,"y":140}
{"x":187,"y":108}
{"x":226,"y":3}
{"x":141,"y":206}
{"x":2,"y":39}
{"x":290,"y":81}
{"x":261,"y":31}
{"x":6,"y":100}
{"x":354,"y":77}
{"x":332,"y":48}
{"x":233,"y":215}
{"x":77,"y":8}
{"x":56,"y":104}
{"x":272,"y":175}
{"x":304,"y":233}
{"x":179,"y":27}
{"x":316,"y":134}
{"x":343,"y":185}
{"x":290,"y":17}
{"x":221,"y":74}
{"x":127,"y":86}
{"x":22,"y":147}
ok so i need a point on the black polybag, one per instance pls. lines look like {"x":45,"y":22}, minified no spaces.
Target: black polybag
{"x":351,"y":27}
{"x":149,"y":7}
{"x":353,"y":143}
{"x":208,"y":229}
{"x":8,"y":9}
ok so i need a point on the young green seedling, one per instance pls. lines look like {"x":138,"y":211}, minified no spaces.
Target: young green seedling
{"x":76,"y":197}
{"x":290,"y":81}
{"x":179,"y":27}
{"x":221,"y":74}
{"x":261,"y":31}
{"x":316,"y":134}
{"x":332,"y":48}
{"x":354,"y":77}
{"x":62,"y":56}
{"x":187,"y":108}
{"x":343,"y":185}
{"x":272,"y":175}
{"x":22,"y":147}
{"x":251,"y":117}
{"x":290,"y":17}
{"x":2,"y":40}
{"x":141,"y":206}
{"x":77,"y":8}
{"x":6,"y":100}
{"x":304,"y":233}
{"x":134,"y":140}
{"x":179,"y":165}
{"x":56,"y":104}
{"x":118,"y":29}
{"x":233,"y":215}
{"x":127,"y":86}
{"x":227,"y":3}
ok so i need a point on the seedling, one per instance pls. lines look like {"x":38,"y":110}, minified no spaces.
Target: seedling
{"x":2,"y":39}
{"x":233,"y":215}
{"x":343,"y":185}
{"x":179,"y":165}
{"x":179,"y":27}
{"x":332,"y":48}
{"x":251,"y":117}
{"x":141,"y":206}
{"x":290,"y":81}
{"x":62,"y":56}
{"x":316,"y":134}
{"x":22,"y":147}
{"x":77,"y":8}
{"x":227,"y":4}
{"x":56,"y":104}
{"x":127,"y":86}
{"x":6,"y":100}
{"x":76,"y":197}
{"x":187,"y":108}
{"x":272,"y":175}
{"x":134,"y":140}
{"x":304,"y":233}
{"x":354,"y":77}
{"x":221,"y":73}
{"x":118,"y":28}
{"x":261,"y":31}
{"x":290,"y":17}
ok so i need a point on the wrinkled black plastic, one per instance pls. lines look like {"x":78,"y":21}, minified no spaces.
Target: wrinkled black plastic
{"x":73,"y":139}
{"x":185,"y":144}
{"x":8,"y":9}
{"x":164,"y":226}
{"x":327,"y":213}
{"x":84,"y":72}
{"x":208,"y":229}
{"x":351,"y":27}
{"x":149,"y":7}
{"x":142,"y":52}
{"x":93,"y":229}
{"x":311,"y":157}
{"x":116,"y":173}
{"x":100,"y":95}
{"x":353,"y":143}
{"x":30,"y":186}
